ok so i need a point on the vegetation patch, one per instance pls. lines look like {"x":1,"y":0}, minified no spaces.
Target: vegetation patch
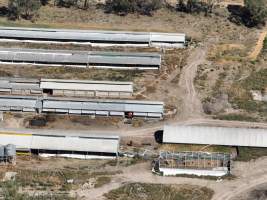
{"x":249,"y":153}
{"x":102,"y":180}
{"x":252,"y":14}
{"x":240,"y":97}
{"x":236,"y":117}
{"x":265,"y":45}
{"x":144,"y":191}
{"x":123,"y":7}
{"x":256,"y":81}
{"x":10,"y":191}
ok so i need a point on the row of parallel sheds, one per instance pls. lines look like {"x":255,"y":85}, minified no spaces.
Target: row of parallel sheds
{"x":65,"y":87}
{"x":79,"y":106}
{"x":94,"y":37}
{"x":82,"y":59}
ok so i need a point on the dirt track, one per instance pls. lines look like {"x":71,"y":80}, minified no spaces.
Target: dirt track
{"x":255,"y":53}
{"x":192,"y":106}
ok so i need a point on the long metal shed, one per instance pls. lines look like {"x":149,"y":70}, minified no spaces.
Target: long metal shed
{"x":65,"y":87}
{"x":62,"y":87}
{"x":78,"y":106}
{"x":148,"y":109}
{"x":62,"y":144}
{"x":94,"y":37}
{"x":215,"y":135}
{"x":91,"y":59}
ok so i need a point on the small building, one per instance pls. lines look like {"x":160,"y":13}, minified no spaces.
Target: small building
{"x":20,"y":104}
{"x":20,"y":86}
{"x":7,"y":153}
{"x":192,"y":163}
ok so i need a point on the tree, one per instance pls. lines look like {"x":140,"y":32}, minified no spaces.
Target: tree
{"x":83,"y":4}
{"x":44,"y":2}
{"x":23,"y":8}
{"x":123,"y":7}
{"x":256,"y":12}
{"x":195,"y":6}
{"x":181,"y":6}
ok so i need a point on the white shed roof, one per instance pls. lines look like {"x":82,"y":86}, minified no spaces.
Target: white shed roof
{"x":59,"y":84}
{"x":92,"y":36}
{"x":88,"y":143}
{"x":215,"y":135}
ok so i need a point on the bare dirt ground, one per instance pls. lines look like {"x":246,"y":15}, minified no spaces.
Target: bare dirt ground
{"x":259,"y":193}
{"x":249,"y":175}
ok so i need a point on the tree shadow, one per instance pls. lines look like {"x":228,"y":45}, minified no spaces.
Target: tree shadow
{"x":241,"y":15}
{"x":4,"y":11}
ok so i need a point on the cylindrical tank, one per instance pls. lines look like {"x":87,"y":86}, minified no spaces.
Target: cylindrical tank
{"x":10,"y":150}
{"x":2,"y":152}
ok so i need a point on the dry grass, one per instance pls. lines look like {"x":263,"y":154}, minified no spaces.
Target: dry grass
{"x":143,"y":191}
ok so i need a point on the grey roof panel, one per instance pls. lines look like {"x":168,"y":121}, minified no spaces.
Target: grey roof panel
{"x":36,"y":85}
{"x":104,"y":105}
{"x":22,"y":102}
{"x":89,"y":35}
{"x":67,"y":105}
{"x":79,"y":57}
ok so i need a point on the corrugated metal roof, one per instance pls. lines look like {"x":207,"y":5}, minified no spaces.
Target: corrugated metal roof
{"x":64,"y":84}
{"x":104,"y":105}
{"x":19,"y":83}
{"x":17,"y":103}
{"x":89,"y":143}
{"x":215,"y":135}
{"x":82,"y":106}
{"x":80,"y":85}
{"x":67,"y":57}
{"x":93,"y":36}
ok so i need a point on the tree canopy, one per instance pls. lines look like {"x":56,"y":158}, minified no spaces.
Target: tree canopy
{"x":256,"y":12}
{"x":123,"y":7}
{"x":23,"y":8}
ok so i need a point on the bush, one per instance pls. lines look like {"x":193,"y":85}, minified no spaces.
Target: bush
{"x":83,"y":4}
{"x":123,"y":7}
{"x":195,"y":6}
{"x":26,"y":9}
{"x":66,"y":3}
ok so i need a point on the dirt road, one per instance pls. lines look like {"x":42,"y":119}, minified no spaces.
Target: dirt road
{"x":250,"y":174}
{"x":257,"y":50}
{"x":192,"y":106}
